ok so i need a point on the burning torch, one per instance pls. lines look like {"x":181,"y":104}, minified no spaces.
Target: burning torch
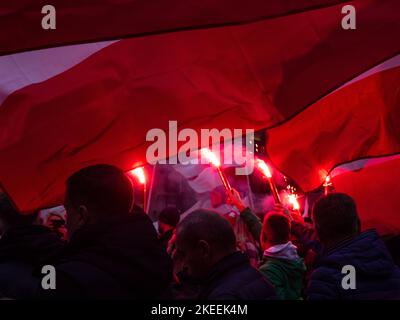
{"x":139,"y":174}
{"x":267,"y":173}
{"x":292,"y":199}
{"x":212,"y":158}
{"x":327,"y":184}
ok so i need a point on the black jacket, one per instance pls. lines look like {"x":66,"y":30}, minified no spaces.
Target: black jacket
{"x":377,"y":277}
{"x":120,"y":260}
{"x":233,"y":278}
{"x":22,"y":249}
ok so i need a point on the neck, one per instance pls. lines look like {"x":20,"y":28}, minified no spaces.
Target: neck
{"x":330,"y":244}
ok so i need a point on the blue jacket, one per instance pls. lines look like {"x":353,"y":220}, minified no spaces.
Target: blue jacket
{"x":377,"y":277}
{"x":233,"y":278}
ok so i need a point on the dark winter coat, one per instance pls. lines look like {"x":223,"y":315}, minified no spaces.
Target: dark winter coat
{"x":233,"y":278}
{"x":122,"y":259}
{"x":377,"y":277}
{"x":23,"y":249}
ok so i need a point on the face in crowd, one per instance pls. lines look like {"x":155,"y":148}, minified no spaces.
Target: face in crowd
{"x":202,"y":239}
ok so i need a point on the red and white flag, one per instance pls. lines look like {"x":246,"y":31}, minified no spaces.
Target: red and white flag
{"x":68,"y":107}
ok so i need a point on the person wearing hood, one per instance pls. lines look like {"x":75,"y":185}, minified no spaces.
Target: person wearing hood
{"x":337,"y":226}
{"x":23,"y":247}
{"x":281,"y":264}
{"x":113,"y":250}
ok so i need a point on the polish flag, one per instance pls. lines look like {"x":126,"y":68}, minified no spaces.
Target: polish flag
{"x":70,"y":106}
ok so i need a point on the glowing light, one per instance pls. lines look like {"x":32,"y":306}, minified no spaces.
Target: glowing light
{"x":293,"y":201}
{"x":139,"y":174}
{"x":264,"y":168}
{"x":211,"y":157}
{"x":328,"y":179}
{"x":327,"y":184}
{"x":267,"y":173}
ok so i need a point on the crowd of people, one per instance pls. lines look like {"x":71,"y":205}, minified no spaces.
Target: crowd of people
{"x":113,"y":251}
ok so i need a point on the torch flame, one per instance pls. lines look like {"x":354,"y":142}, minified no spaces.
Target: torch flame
{"x":264,"y":168}
{"x":211,"y":157}
{"x":293,"y":201}
{"x":327,"y":181}
{"x":139,"y":174}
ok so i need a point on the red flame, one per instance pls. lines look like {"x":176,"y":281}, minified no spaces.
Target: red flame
{"x":139,"y":174}
{"x":264,"y":168}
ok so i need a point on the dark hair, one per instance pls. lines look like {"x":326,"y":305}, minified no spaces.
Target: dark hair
{"x":10,"y":215}
{"x":209,"y":226}
{"x":170,"y":216}
{"x":277,"y":227}
{"x":103,"y":188}
{"x":335,"y":217}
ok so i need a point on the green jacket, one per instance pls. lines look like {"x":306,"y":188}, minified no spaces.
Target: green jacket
{"x":252,"y":222}
{"x":287,"y":276}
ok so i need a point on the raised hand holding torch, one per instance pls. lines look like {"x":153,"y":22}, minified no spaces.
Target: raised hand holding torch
{"x":267,"y":173}
{"x":212,"y":158}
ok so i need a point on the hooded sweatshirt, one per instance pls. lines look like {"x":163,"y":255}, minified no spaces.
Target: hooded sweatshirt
{"x":282,"y":266}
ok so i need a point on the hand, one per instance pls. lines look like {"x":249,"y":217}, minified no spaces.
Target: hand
{"x":279,"y":208}
{"x":297,"y":217}
{"x":235,"y":199}
{"x":171,"y":248}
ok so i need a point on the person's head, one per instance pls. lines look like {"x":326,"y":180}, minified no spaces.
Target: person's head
{"x":10,"y":217}
{"x":54,"y":221}
{"x":335,"y":218}
{"x":275,"y":230}
{"x":168,"y":219}
{"x":202,"y":239}
{"x":97,"y":194}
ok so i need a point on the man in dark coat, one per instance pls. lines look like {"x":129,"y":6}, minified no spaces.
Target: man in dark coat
{"x":206,"y":244}
{"x":344,"y":249}
{"x":114,"y":252}
{"x":23,"y":247}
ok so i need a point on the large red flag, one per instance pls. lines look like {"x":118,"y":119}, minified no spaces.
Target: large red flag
{"x":88,"y":20}
{"x":376,"y":190}
{"x":251,"y":76}
{"x":357,"y":121}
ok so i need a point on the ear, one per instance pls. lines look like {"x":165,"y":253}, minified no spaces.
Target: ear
{"x":204,"y":248}
{"x":83,"y":214}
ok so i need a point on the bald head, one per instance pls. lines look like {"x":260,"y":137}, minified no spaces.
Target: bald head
{"x":202,"y":239}
{"x":209,"y":226}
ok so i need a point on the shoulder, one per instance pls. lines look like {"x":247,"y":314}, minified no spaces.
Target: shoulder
{"x":247,"y":283}
{"x":324,"y":283}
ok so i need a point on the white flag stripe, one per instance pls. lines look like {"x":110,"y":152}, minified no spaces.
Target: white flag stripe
{"x":22,"y":69}
{"x":360,"y":164}
{"x":388,"y":64}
